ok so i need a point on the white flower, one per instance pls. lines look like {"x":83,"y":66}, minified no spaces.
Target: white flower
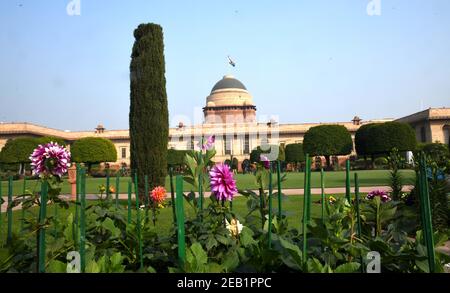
{"x":142,"y":207}
{"x":235,"y":227}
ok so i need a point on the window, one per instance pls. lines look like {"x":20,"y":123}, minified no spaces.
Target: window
{"x":423,"y":134}
{"x":226,"y":145}
{"x":192,"y":147}
{"x":247,"y":144}
{"x":123,"y":153}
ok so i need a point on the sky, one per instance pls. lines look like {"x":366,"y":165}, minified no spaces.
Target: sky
{"x":303,"y":61}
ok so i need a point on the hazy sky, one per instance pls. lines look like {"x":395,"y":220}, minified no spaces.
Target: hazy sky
{"x":303,"y":61}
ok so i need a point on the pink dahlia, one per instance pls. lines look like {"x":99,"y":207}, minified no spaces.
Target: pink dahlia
{"x":378,"y":192}
{"x":50,"y":159}
{"x":222,"y":183}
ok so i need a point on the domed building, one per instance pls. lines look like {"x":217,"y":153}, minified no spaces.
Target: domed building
{"x":230,"y":115}
{"x":229,"y":102}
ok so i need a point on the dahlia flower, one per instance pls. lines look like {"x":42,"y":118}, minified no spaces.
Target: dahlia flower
{"x":158,"y":194}
{"x":378,"y":192}
{"x":50,"y":159}
{"x":222,"y":183}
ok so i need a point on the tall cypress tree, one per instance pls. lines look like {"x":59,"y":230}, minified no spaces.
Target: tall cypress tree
{"x":149,"y":117}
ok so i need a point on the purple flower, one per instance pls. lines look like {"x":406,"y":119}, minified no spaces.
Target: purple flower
{"x":50,"y":159}
{"x":265,"y":161}
{"x":222,"y":183}
{"x":209,"y":143}
{"x":378,"y":192}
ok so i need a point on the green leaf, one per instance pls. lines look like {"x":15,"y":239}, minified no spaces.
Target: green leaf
{"x":423,"y":265}
{"x":314,"y":266}
{"x":350,"y":267}
{"x":92,"y":267}
{"x":246,"y":237}
{"x":293,"y":258}
{"x":199,"y":254}
{"x":56,"y":266}
{"x":108,"y":224}
{"x":231,"y":261}
{"x":211,"y":242}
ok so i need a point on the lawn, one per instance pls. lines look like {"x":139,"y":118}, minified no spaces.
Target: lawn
{"x":292,"y":207}
{"x":247,"y":181}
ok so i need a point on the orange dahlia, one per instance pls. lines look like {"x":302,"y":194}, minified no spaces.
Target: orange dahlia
{"x":158,"y":194}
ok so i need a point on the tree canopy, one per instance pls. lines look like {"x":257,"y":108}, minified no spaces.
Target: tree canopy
{"x":327,"y":140}
{"x":93,"y":150}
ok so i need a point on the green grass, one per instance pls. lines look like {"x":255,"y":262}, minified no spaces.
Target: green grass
{"x":247,"y":181}
{"x":292,"y":207}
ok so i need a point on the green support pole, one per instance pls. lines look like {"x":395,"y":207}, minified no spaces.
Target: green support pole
{"x":138,"y":220}
{"x":305,"y":204}
{"x":24,"y":188}
{"x":358,"y":217}
{"x":42,"y":216}
{"x":322,"y":193}
{"x":308,"y":194}
{"x":129,"y":202}
{"x":347,"y":181}
{"x":107,"y":184}
{"x":172,"y":196}
{"x":75,"y":226}
{"x":270,"y":205}
{"x":117,"y":189}
{"x":82,"y":178}
{"x":146,"y":199}
{"x":180,"y":222}
{"x":427,"y":225}
{"x":9,"y":210}
{"x":279,"y":188}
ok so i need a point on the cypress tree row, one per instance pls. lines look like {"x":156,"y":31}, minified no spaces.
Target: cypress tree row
{"x":149,"y":117}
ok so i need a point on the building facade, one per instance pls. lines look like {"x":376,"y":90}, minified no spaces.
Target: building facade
{"x":230,"y":115}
